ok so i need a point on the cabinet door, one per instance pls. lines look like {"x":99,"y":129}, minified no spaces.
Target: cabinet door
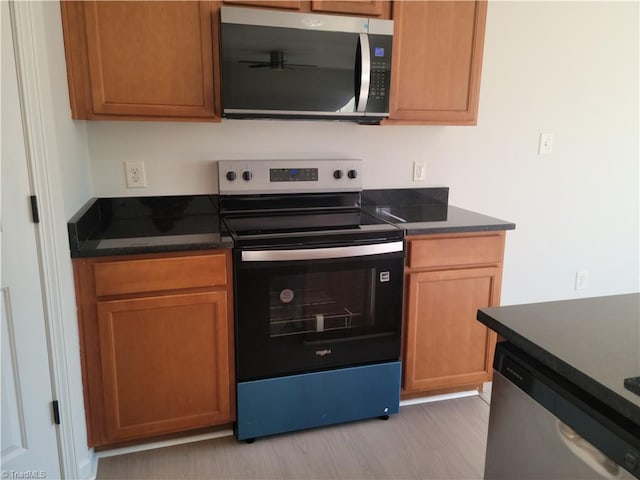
{"x":285,"y":4}
{"x":151,"y":58}
{"x":437,"y":60}
{"x":374,"y":8}
{"x":446,"y":345}
{"x":165,"y":363}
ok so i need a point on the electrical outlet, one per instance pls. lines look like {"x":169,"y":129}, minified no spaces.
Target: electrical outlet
{"x":545,"y":144}
{"x":419,"y":169}
{"x":582,"y":279}
{"x":135,"y":174}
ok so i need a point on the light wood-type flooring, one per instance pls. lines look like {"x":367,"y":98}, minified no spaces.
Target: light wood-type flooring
{"x":435,"y":440}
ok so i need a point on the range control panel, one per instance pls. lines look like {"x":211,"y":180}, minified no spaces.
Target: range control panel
{"x":238,"y":177}
{"x":293,"y":174}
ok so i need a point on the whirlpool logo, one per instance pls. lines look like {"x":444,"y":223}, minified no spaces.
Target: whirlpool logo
{"x":322,"y":353}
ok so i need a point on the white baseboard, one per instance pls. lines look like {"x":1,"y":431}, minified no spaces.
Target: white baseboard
{"x":486,"y":392}
{"x":229,"y":432}
{"x":438,"y":398}
{"x":163,"y":443}
{"x":89,"y":468}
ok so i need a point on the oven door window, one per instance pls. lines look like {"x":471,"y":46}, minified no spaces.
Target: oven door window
{"x":319,"y":303}
{"x":294,"y":317}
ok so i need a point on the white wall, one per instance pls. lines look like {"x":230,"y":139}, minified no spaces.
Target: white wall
{"x":70,"y":137}
{"x":570,"y":69}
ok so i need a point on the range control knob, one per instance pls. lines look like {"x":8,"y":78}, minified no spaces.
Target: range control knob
{"x":247,"y":175}
{"x":352,"y":174}
{"x":231,"y":175}
{"x":337,"y":174}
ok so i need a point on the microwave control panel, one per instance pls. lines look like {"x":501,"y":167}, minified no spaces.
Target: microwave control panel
{"x":380,"y":55}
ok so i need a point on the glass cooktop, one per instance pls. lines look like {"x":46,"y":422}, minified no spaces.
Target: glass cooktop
{"x":294,"y":223}
{"x":317,"y":228}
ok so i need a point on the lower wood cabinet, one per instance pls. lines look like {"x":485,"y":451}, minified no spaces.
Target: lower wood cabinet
{"x":449,"y":277}
{"x":160,"y":361}
{"x":164,"y":362}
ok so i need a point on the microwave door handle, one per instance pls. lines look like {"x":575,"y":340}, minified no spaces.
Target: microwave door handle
{"x":365,"y":72}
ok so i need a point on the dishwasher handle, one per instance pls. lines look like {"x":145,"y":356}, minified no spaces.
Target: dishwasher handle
{"x":586,"y":452}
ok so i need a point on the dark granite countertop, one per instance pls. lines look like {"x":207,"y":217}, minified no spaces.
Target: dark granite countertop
{"x":421,"y":211}
{"x":132,"y":225}
{"x":592,"y":342}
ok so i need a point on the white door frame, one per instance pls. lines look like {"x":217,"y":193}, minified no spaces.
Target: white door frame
{"x":42,"y":160}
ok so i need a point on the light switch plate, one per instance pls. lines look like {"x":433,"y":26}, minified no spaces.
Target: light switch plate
{"x":582,"y":280}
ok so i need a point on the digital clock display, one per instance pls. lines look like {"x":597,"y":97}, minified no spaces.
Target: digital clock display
{"x":293,"y":174}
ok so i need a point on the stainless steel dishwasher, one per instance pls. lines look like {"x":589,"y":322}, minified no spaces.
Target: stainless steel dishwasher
{"x":541,"y":426}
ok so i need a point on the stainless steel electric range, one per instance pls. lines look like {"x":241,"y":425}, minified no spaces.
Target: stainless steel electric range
{"x":318,"y":296}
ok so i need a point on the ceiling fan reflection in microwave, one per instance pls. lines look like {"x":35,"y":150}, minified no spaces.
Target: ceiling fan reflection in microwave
{"x":276,"y":62}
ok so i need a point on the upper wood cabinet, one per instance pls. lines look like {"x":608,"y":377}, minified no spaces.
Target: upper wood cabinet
{"x":284,"y":4}
{"x":437,"y":61}
{"x":160,"y":60}
{"x":142,"y":59}
{"x":372,"y":8}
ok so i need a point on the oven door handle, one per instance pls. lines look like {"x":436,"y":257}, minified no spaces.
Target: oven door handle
{"x":358,"y":338}
{"x":321,"y":253}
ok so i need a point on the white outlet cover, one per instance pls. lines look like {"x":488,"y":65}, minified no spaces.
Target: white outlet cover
{"x":545,"y":145}
{"x":134,"y":173}
{"x":419,"y":169}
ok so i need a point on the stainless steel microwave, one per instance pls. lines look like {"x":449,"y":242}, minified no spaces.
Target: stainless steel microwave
{"x":278,"y":64}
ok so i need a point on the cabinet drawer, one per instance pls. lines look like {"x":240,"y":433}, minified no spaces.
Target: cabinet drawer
{"x":452,"y":250}
{"x":156,"y":274}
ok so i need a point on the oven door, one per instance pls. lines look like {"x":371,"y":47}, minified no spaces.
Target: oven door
{"x":312,"y":309}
